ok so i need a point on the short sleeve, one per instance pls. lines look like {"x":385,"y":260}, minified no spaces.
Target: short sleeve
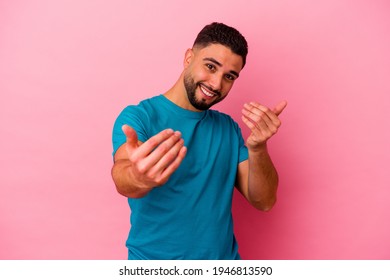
{"x":243,"y":150}
{"x":134,"y":117}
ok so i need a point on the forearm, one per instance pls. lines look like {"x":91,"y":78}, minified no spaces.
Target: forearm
{"x":262,"y":179}
{"x":125,"y":183}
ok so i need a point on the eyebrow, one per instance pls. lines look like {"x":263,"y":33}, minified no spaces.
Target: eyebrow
{"x":219,"y":64}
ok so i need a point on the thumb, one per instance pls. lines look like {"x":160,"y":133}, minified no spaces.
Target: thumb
{"x":131,"y":136}
{"x":280,"y":107}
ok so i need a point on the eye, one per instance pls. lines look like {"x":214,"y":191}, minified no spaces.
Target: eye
{"x":230,"y":77}
{"x":211,"y":67}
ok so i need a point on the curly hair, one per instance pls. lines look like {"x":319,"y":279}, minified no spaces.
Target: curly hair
{"x":219,"y":33}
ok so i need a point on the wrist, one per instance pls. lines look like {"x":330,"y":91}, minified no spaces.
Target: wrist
{"x":258,"y":149}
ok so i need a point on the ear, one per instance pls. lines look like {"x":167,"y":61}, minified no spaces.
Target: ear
{"x":188,"y":57}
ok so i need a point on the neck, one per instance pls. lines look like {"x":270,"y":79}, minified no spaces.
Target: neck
{"x":178,"y":95}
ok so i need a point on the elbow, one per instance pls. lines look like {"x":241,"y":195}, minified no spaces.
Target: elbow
{"x":132,"y":193}
{"x":264,"y":206}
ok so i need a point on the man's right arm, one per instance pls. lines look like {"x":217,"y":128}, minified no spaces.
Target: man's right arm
{"x":140,"y":167}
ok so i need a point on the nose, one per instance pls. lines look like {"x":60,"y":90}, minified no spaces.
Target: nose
{"x":216,"y":82}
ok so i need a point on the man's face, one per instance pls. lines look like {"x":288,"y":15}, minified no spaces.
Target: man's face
{"x":209,"y":74}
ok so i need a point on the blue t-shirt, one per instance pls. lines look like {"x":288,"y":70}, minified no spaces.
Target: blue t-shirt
{"x":190,"y":216}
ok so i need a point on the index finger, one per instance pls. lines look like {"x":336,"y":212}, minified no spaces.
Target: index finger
{"x":148,"y":146}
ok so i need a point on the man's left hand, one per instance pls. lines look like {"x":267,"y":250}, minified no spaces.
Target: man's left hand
{"x":263,"y":123}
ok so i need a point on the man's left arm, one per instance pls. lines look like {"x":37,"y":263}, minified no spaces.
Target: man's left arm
{"x":257,"y":178}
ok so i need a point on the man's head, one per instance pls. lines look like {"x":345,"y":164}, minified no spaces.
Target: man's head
{"x":213,"y":64}
{"x":219,"y":33}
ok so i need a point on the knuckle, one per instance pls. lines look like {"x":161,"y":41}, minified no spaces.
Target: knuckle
{"x":133,"y":159}
{"x":170,"y":156}
{"x":153,"y":142}
{"x":274,"y":130}
{"x":250,"y":125}
{"x":141,"y":168}
{"x":257,"y":118}
{"x":267,"y":136}
{"x":262,"y":115}
{"x":278,"y":123}
{"x":160,"y":181}
{"x":163,"y":148}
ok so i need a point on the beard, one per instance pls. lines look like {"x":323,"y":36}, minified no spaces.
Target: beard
{"x":191,"y":87}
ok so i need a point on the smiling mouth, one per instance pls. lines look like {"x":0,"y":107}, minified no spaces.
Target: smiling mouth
{"x":206,"y":91}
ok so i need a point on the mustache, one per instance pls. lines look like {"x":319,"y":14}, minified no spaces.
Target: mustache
{"x":210,"y":89}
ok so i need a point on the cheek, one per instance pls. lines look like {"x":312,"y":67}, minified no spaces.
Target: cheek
{"x":226,"y":87}
{"x":200,"y":74}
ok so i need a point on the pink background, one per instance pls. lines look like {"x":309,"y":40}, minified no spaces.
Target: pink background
{"x":67,"y":68}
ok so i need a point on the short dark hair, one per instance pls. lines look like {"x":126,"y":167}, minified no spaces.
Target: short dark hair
{"x":219,"y":33}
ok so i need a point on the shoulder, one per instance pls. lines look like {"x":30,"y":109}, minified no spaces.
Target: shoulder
{"x":222,"y":118}
{"x":217,"y":114}
{"x":142,"y":109}
{"x":138,"y":117}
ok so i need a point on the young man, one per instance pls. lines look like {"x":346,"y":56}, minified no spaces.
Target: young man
{"x":178,"y":162}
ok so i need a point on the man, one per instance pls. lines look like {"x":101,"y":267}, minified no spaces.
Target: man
{"x":178,"y":162}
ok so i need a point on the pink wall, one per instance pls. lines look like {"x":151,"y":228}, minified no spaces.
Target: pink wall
{"x":68,"y":67}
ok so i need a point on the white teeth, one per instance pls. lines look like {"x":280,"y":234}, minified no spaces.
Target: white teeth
{"x":206,"y":92}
